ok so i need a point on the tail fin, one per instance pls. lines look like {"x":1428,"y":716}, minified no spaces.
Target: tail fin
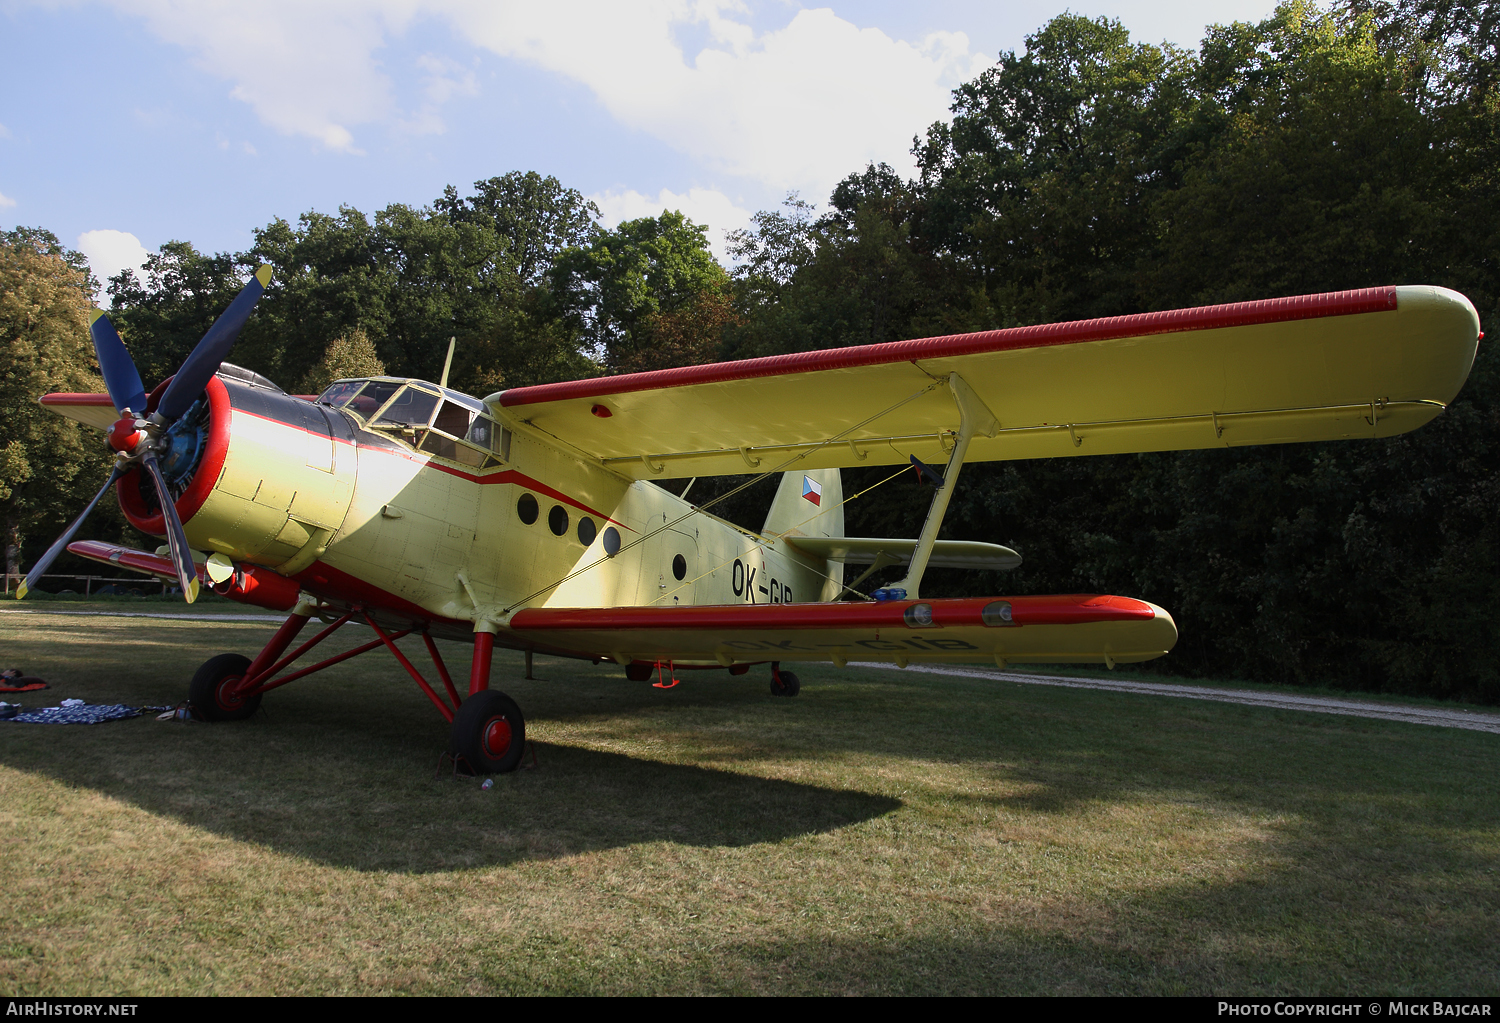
{"x":808,"y":503}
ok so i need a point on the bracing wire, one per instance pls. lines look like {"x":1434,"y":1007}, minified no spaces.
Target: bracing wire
{"x":836,"y":438}
{"x":763,"y":544}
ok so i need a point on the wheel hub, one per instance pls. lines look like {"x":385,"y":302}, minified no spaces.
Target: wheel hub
{"x":496,"y":737}
{"x":227,"y":695}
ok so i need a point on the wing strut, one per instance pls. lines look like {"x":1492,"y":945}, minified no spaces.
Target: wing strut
{"x":973,"y":416}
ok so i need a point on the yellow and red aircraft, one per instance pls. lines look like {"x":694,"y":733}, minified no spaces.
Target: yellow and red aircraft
{"x":530,"y":518}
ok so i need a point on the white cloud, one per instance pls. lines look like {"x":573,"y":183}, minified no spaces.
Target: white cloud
{"x":797,"y":107}
{"x":442,"y":80}
{"x":794,"y":108}
{"x":6,"y":201}
{"x":700,"y":205}
{"x":305,"y":68}
{"x":4,"y":132}
{"x":109,"y":252}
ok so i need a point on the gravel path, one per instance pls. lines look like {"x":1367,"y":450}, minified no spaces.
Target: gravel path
{"x":1478,"y":721}
{"x":195,"y":616}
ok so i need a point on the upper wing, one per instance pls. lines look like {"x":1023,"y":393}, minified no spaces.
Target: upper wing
{"x":96,"y":410}
{"x":1071,"y":628}
{"x":1369,"y":363}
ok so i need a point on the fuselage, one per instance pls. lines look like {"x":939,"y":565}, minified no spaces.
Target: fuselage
{"x":425,"y":505}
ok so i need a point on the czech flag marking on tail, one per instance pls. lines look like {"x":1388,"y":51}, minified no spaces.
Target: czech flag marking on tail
{"x":812,"y":491}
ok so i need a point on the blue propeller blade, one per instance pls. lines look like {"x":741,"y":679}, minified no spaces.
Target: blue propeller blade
{"x":182,"y":555}
{"x":195,"y":373}
{"x":120,"y":375}
{"x":46,"y":560}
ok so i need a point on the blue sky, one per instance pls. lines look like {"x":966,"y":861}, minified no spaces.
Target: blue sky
{"x":125,"y":124}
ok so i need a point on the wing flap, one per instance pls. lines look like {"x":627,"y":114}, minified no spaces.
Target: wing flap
{"x":852,"y":550}
{"x":1076,"y":628}
{"x":1368,"y":363}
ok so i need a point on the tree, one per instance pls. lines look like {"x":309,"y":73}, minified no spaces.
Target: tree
{"x":163,"y":317}
{"x":48,"y":467}
{"x":536,"y":216}
{"x":475,"y":268}
{"x":1042,"y":180}
{"x":615,"y":288}
{"x":348,"y":355}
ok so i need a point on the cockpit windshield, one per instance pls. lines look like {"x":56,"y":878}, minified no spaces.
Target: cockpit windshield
{"x":339,"y":392}
{"x":362,"y":397}
{"x":433,"y":419}
{"x":410,"y":409}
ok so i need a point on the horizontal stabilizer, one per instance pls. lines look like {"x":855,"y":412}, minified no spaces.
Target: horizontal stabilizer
{"x":862,"y":550}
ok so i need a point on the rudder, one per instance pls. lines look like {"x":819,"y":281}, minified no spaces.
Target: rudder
{"x":808,"y":503}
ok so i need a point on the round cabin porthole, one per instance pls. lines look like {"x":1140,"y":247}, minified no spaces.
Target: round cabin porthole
{"x":611,"y":541}
{"x":557,"y":519}
{"x":679,"y":567}
{"x":586,"y":531}
{"x":527,"y":509}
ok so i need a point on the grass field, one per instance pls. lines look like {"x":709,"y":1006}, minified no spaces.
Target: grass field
{"x":882,"y":833}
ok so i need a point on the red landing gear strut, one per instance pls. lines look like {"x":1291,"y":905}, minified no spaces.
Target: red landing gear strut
{"x":488,"y":731}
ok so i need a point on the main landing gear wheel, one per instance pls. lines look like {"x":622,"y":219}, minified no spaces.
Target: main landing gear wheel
{"x":489,"y":733}
{"x":784,"y":683}
{"x":211,"y":693}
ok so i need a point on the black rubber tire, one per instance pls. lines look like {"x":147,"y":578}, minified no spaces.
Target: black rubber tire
{"x":788,"y":685}
{"x":638,"y":672}
{"x":483,"y":719}
{"x":206,"y":694}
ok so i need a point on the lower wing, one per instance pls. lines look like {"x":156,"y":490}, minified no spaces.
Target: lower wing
{"x":1074,"y":628}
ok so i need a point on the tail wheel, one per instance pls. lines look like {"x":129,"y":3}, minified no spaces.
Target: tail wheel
{"x":212,"y":694}
{"x":489,"y":733}
{"x":784,"y":683}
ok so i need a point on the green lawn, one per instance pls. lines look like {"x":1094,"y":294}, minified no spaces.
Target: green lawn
{"x":884,"y":832}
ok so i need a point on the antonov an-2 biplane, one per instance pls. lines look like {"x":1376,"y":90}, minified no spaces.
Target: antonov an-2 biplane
{"x":530,"y":518}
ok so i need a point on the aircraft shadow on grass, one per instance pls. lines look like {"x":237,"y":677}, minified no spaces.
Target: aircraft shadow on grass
{"x":377,"y":813}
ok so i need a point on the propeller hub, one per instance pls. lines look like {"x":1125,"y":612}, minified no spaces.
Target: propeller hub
{"x":125,"y":435}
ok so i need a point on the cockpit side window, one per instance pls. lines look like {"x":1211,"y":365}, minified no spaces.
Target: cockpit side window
{"x":460,"y":434}
{"x":453,"y":419}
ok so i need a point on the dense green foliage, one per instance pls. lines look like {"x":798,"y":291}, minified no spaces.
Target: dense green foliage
{"x":1088,"y":175}
{"x":1092,"y":176}
{"x":45,"y":461}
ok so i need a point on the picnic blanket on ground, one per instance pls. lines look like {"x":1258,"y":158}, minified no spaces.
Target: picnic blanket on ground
{"x":88,"y":714}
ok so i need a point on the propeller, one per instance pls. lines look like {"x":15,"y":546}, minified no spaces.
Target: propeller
{"x":199,"y":367}
{"x":120,"y":376}
{"x":136,"y":439}
{"x":67,"y":537}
